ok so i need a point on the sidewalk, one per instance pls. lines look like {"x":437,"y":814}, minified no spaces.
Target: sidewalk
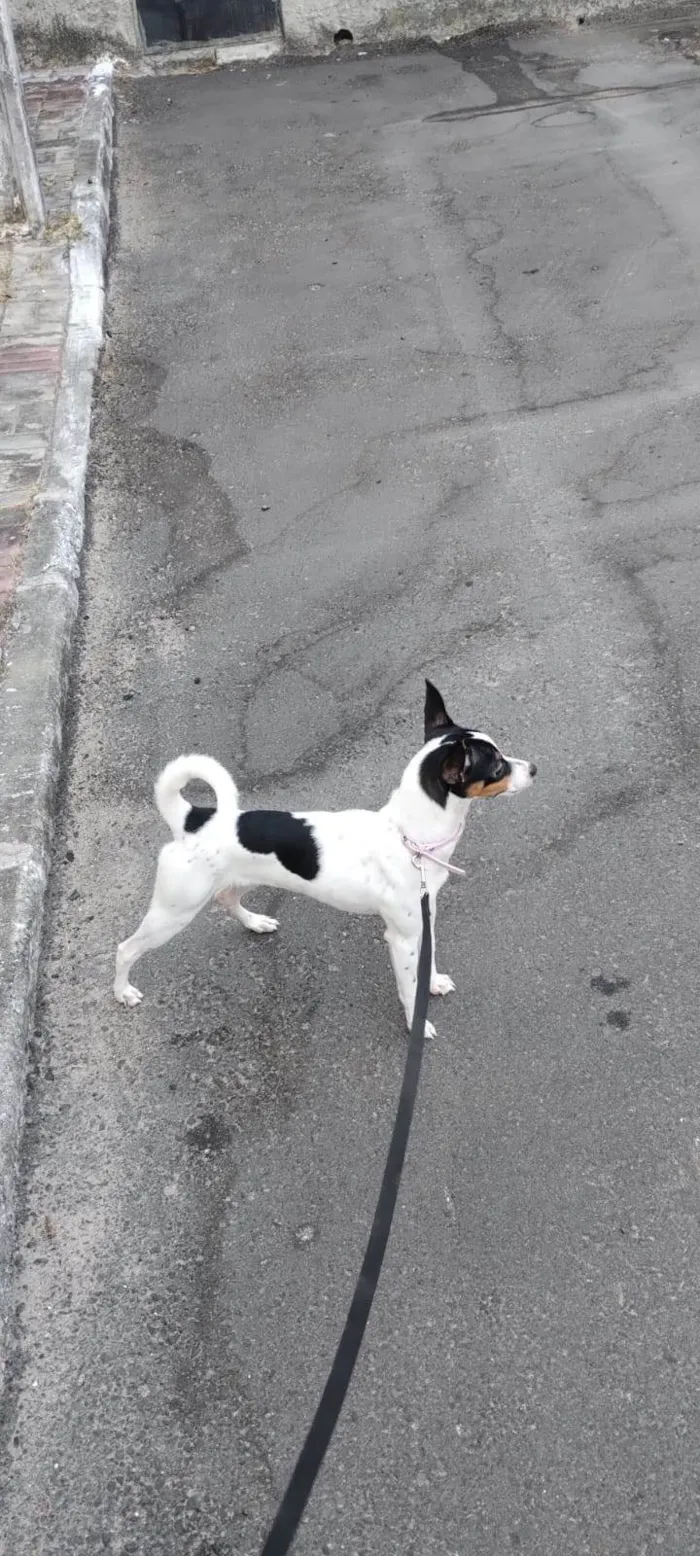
{"x":51,"y":296}
{"x":34,"y":294}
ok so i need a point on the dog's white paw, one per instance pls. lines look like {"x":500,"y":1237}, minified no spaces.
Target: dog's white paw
{"x":429,"y":1030}
{"x":441,"y":984}
{"x":260,"y":924}
{"x":128,"y":995}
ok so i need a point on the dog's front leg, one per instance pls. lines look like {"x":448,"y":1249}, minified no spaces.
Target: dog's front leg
{"x":404,"y":946}
{"x":440,"y":983}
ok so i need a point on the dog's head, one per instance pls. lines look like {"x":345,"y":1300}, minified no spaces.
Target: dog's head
{"x":465,"y":762}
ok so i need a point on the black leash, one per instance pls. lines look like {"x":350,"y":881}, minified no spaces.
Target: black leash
{"x":322,"y":1427}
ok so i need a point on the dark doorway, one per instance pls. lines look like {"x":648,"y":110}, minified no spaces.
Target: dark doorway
{"x":198,"y":21}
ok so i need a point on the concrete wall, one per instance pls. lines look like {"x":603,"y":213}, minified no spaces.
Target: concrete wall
{"x":81,"y":29}
{"x":312,"y":24}
{"x":74,"y":29}
{"x":6,"y":205}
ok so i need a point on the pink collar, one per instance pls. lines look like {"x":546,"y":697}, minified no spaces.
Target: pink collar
{"x":420,"y":851}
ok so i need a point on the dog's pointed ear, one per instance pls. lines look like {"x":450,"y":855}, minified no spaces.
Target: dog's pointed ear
{"x":436,"y":714}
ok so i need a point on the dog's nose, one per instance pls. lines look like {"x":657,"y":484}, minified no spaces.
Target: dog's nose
{"x":533,"y":769}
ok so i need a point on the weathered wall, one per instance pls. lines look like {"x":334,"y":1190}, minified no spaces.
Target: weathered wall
{"x":312,"y":24}
{"x":74,"y":29}
{"x":6,"y":205}
{"x":81,"y":29}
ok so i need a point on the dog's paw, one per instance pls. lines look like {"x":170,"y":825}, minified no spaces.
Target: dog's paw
{"x":429,"y":1030}
{"x":441,"y":984}
{"x":128,"y":995}
{"x":260,"y":924}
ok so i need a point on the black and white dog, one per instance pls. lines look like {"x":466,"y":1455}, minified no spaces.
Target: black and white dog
{"x":362,"y":861}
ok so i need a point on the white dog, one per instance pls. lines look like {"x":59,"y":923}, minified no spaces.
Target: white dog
{"x":359,"y":860}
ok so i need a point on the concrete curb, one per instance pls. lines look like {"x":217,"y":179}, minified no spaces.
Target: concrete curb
{"x":247,"y":51}
{"x":33,"y":693}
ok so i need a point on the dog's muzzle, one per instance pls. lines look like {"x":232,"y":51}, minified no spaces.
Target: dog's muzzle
{"x":521,"y":774}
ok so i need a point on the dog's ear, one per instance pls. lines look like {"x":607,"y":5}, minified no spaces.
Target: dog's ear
{"x":436,"y":714}
{"x":456,"y":765}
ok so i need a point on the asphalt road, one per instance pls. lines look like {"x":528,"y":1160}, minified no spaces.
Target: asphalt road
{"x":403,"y":378}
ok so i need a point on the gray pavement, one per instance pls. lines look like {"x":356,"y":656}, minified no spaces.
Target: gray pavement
{"x":404,"y":378}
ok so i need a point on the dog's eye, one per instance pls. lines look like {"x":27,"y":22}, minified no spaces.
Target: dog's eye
{"x":499,"y":771}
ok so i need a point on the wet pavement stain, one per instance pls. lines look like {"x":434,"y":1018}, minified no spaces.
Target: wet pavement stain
{"x":208,"y":1133}
{"x":620,"y":1019}
{"x":609,"y":986}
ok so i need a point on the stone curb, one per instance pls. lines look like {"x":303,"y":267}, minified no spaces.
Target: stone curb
{"x":33,"y":692}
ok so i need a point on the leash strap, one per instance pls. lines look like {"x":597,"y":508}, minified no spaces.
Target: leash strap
{"x":291,"y":1509}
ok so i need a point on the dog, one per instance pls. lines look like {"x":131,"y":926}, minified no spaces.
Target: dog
{"x":361,"y":861}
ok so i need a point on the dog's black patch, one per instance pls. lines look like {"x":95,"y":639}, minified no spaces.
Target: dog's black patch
{"x":197,"y":816}
{"x":430,"y":776}
{"x":279,"y":832}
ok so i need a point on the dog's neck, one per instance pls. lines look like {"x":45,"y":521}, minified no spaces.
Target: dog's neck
{"x":419,"y":816}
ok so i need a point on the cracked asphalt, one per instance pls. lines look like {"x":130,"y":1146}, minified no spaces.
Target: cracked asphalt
{"x":403,"y":377}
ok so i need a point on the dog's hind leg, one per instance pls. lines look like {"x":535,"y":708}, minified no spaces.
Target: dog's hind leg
{"x":440,"y":983}
{"x":179,"y":894}
{"x":259,"y":923}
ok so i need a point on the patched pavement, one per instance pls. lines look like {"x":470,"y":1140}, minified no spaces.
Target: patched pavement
{"x":403,"y":378}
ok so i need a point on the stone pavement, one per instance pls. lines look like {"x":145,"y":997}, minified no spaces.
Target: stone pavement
{"x":34,"y":297}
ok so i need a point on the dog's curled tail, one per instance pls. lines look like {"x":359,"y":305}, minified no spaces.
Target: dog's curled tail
{"x":173,"y":808}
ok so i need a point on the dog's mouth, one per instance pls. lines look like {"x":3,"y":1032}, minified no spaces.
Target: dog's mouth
{"x":482,"y":789}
